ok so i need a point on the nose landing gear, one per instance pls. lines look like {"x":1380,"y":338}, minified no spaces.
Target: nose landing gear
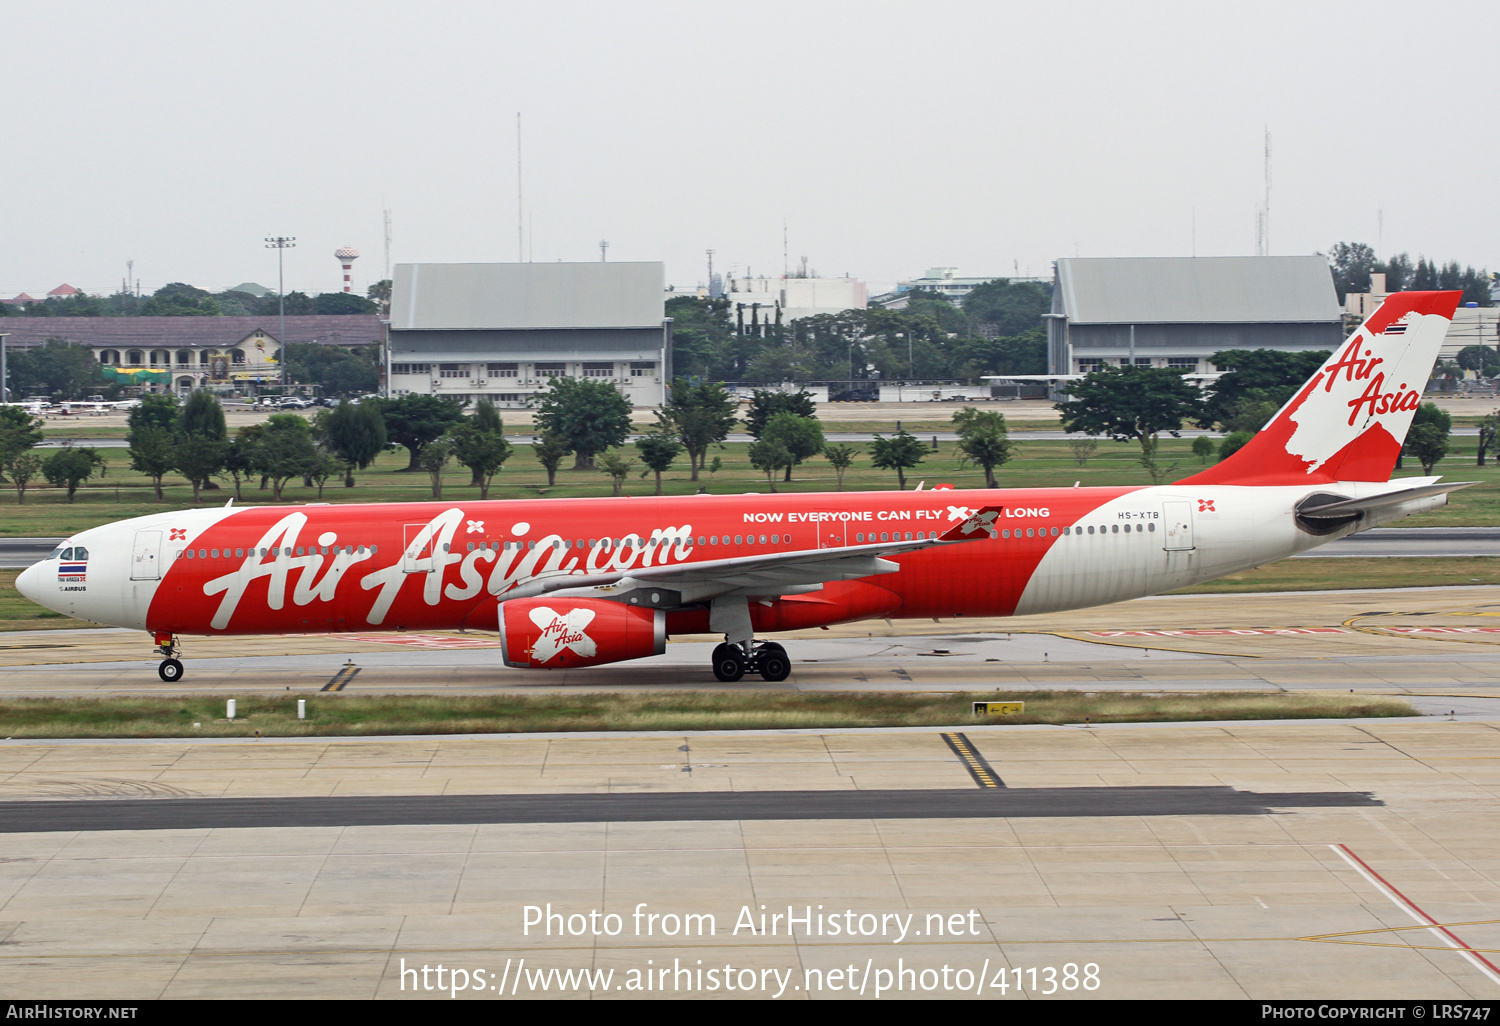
{"x":767,"y":658}
{"x":170,"y":669}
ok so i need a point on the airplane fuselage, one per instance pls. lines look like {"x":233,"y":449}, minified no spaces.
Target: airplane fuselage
{"x":446,"y":565}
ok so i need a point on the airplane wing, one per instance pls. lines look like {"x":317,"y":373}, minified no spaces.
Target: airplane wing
{"x":772,"y":573}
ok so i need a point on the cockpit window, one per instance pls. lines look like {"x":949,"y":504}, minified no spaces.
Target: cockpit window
{"x":67,"y":554}
{"x":55,"y":553}
{"x":80,"y":553}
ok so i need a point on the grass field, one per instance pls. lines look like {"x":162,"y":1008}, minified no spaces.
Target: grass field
{"x":123,"y":493}
{"x":356,"y":715}
{"x":1340,"y":574}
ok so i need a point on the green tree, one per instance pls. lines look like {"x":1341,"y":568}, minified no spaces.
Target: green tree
{"x":657,"y":453}
{"x":153,"y":452}
{"x":802,"y":437}
{"x":550,"y":450}
{"x":617,"y":467}
{"x":1351,"y":264}
{"x":435,"y":456}
{"x":72,"y":465}
{"x":284,"y":450}
{"x":590,"y":416}
{"x":336,"y":371}
{"x":770,"y":455}
{"x":1203,"y":448}
{"x":415,"y":421}
{"x":1489,"y":435}
{"x":1428,"y":443}
{"x":842,"y":458}
{"x":699,"y":416}
{"x":1257,"y":380}
{"x":202,"y":414}
{"x":1083,"y":449}
{"x":56,"y":367}
{"x":156,"y":410}
{"x":984,"y":440}
{"x":22,"y":470}
{"x":198,"y":457}
{"x":486,"y":418}
{"x":323,"y":466}
{"x":343,"y":303}
{"x":355,"y":434}
{"x":237,"y":462}
{"x":766,"y":403}
{"x":1013,"y":308}
{"x":20,"y":432}
{"x":178,"y":299}
{"x":1233,"y":443}
{"x":901,"y":452}
{"x":481,"y":448}
{"x":1131,"y":403}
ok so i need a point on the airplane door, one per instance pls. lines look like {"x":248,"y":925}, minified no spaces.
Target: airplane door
{"x":145,"y":556}
{"x":1179,"y":525}
{"x":417,"y":559}
{"x":832,"y":534}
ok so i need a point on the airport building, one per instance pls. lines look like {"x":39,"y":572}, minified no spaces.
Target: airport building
{"x":504,"y":330}
{"x":1179,"y":311}
{"x":1472,"y":325}
{"x":180,"y":354}
{"x":759,"y":303}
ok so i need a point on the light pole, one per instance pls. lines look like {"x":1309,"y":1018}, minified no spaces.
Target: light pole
{"x":280,"y":243}
{"x":4,"y":381}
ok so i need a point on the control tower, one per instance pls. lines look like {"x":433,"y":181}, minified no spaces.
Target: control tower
{"x":347,"y":255}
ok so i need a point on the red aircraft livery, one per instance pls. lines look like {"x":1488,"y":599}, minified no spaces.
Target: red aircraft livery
{"x":576,"y":582}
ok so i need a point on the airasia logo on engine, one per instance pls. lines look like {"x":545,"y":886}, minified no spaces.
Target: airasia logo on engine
{"x":561,"y":632}
{"x":548,"y":633}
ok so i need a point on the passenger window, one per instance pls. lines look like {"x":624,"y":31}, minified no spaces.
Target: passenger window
{"x":738,"y":540}
{"x":1115,"y":528}
{"x":1151,"y":527}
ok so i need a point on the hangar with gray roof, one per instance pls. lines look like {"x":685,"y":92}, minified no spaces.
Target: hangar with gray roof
{"x":1179,"y":311}
{"x":504,"y":330}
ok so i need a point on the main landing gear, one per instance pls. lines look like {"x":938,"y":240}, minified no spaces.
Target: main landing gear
{"x":170,"y":669}
{"x":731,"y":662}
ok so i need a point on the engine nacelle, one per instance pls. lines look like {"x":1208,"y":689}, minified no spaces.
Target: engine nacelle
{"x":553,"y":633}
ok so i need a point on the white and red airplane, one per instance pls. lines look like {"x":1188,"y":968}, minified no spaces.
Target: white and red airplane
{"x":577,"y":582}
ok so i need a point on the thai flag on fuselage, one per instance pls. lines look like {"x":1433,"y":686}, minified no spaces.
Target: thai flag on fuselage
{"x":72,"y":570}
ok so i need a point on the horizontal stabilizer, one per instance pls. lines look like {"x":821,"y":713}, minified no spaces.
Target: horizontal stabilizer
{"x":1346,"y":509}
{"x":980,"y":523}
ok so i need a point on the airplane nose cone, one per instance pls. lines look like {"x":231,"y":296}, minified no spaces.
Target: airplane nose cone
{"x":26,"y":583}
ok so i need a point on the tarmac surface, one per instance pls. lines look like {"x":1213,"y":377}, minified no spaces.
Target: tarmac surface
{"x":1267,"y":860}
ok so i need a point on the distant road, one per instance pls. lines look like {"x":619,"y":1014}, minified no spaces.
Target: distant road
{"x":1394,"y":542}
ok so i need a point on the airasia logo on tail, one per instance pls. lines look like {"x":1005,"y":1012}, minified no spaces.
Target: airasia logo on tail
{"x":561,"y":632}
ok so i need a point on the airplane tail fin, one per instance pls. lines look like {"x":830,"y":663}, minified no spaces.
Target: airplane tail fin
{"x":1349,"y":421}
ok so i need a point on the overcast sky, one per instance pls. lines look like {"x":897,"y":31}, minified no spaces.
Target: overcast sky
{"x":888,"y":137}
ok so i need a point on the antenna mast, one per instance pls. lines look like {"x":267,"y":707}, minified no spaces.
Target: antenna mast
{"x":520,"y":221}
{"x":387,"y":244}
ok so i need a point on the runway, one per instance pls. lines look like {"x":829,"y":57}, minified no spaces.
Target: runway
{"x":1266,"y":861}
{"x":1274,"y":861}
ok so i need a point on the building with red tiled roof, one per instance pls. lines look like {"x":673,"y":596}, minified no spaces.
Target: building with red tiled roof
{"x":183,"y":353}
{"x":63,"y":291}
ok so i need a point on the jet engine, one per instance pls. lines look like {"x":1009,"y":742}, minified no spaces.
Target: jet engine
{"x":551,"y":633}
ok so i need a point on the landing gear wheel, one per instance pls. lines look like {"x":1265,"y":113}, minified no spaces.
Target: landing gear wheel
{"x":729,"y":663}
{"x":170,"y":671}
{"x":773,"y":663}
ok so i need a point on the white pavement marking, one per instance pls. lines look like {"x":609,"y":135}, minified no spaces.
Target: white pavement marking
{"x":1414,"y":910}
